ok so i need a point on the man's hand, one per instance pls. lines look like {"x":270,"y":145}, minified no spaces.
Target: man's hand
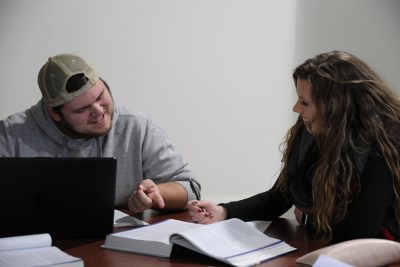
{"x":146,"y":196}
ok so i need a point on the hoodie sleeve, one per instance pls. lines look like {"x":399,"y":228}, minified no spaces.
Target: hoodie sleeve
{"x":163,"y":163}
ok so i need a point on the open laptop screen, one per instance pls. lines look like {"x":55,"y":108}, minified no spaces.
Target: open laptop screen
{"x":65,"y":197}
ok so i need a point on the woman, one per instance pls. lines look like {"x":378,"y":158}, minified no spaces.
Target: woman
{"x":341,"y":165}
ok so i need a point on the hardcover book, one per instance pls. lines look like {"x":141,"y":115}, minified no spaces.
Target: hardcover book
{"x":231,"y":241}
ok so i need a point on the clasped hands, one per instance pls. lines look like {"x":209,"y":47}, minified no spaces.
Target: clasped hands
{"x":146,"y":196}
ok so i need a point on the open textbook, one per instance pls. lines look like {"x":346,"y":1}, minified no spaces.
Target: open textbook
{"x":231,"y":241}
{"x":34,"y":250}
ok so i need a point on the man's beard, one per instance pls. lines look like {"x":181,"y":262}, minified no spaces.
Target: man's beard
{"x":67,"y":129}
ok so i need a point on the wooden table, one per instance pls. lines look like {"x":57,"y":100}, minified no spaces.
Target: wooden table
{"x":94,"y":256}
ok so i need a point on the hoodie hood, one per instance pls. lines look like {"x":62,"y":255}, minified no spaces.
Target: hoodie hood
{"x":46,"y":123}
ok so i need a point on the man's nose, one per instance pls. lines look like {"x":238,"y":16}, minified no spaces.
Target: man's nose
{"x":97,"y":109}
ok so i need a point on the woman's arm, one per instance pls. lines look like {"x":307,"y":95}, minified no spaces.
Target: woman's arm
{"x":264,"y":206}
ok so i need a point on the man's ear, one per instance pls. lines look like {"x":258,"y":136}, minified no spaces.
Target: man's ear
{"x":54,"y":114}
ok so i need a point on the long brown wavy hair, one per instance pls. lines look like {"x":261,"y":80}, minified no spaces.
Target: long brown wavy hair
{"x":358,"y":110}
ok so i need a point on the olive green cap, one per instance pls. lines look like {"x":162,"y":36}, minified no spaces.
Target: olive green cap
{"x":55,"y":73}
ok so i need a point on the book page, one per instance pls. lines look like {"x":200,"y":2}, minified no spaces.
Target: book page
{"x":25,"y":241}
{"x":43,"y":256}
{"x":326,"y":261}
{"x":260,"y":225}
{"x":227,"y":238}
{"x":159,"y":232}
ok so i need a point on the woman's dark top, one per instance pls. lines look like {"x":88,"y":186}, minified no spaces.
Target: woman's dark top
{"x":371,"y":213}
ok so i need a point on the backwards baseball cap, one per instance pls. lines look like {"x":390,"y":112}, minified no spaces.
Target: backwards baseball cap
{"x":54,"y":75}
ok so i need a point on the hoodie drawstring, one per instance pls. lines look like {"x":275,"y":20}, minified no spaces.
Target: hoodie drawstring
{"x":99,"y":148}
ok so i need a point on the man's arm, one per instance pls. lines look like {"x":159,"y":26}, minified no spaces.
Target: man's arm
{"x":174,"y":195}
{"x":164,"y":165}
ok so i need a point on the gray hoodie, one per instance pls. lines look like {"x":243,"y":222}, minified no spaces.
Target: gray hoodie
{"x":142,"y":149}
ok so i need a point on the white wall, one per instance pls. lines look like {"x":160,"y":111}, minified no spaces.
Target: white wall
{"x":215,"y":74}
{"x":367,"y":28}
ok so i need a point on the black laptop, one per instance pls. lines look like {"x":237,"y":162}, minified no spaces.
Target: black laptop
{"x":65,"y":197}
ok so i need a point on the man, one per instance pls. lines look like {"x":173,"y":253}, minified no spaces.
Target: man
{"x":77,"y":117}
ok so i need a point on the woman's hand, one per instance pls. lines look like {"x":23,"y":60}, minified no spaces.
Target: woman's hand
{"x":205,"y":212}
